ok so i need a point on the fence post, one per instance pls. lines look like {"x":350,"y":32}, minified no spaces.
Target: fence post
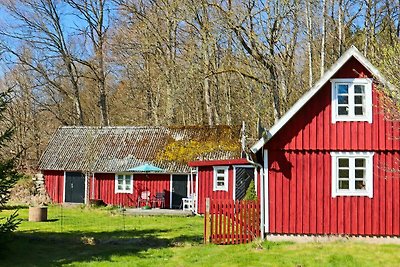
{"x":207,"y":222}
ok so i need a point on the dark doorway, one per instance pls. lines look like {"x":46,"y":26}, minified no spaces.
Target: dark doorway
{"x":179,"y":190}
{"x":244,"y":176}
{"x":74,"y":187}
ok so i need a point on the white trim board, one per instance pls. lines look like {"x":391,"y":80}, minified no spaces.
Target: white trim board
{"x":65,"y":176}
{"x":170,"y":191}
{"x":197,"y":191}
{"x":266,"y":192}
{"x":234,"y":177}
{"x":351,"y":52}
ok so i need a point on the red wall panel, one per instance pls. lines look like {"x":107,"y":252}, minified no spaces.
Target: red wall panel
{"x":300,"y":169}
{"x":206,"y":180}
{"x":315,"y":211}
{"x":105,"y":188}
{"x":312,"y":128}
{"x":54,"y":183}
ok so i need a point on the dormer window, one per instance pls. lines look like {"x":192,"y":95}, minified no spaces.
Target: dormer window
{"x":352,"y":100}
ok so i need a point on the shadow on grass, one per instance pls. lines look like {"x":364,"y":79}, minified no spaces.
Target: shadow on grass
{"x":52,"y":249}
{"x":15,"y":207}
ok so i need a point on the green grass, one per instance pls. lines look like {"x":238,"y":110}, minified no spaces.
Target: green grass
{"x":103,"y":237}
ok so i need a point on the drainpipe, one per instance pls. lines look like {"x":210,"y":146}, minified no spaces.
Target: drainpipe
{"x":249,"y":160}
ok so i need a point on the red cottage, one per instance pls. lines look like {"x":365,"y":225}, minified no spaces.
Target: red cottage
{"x":329,"y":161}
{"x":223,"y":179}
{"x":117,"y":164}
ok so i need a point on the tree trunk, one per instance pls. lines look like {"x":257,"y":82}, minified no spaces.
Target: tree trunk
{"x":309,"y":43}
{"x":323,"y":37}
{"x":340,"y":25}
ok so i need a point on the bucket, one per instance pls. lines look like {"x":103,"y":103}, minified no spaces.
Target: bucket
{"x":37,"y":214}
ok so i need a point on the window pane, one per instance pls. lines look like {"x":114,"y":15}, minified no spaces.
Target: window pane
{"x":219,"y":183}
{"x":359,"y":173}
{"x":343,"y":99}
{"x":120,"y":187}
{"x":343,"y":173}
{"x":220,"y":171}
{"x":360,"y":162}
{"x":343,"y":110}
{"x":360,"y":185}
{"x":343,"y":89}
{"x":359,"y":89}
{"x":359,"y":110}
{"x":128,"y":186}
{"x":343,"y":184}
{"x":343,"y":162}
{"x":358,"y":99}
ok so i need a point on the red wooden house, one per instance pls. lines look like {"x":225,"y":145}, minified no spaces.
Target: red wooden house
{"x":117,"y":164}
{"x":223,"y":179}
{"x":330,"y":161}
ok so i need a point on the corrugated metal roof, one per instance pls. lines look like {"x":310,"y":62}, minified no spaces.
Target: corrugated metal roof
{"x":117,"y":149}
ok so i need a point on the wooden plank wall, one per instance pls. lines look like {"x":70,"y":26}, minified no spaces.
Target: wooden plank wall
{"x":105,"y":188}
{"x":301,"y":202}
{"x":54,"y":183}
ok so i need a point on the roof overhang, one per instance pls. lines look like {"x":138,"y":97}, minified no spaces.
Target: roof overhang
{"x":351,"y":52}
{"x":201,"y":163}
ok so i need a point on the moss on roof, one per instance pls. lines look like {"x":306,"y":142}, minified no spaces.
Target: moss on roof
{"x":204,"y":141}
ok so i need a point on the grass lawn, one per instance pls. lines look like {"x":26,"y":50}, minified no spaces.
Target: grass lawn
{"x":103,"y":237}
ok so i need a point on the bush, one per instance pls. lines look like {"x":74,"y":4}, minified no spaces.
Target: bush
{"x":251,"y":192}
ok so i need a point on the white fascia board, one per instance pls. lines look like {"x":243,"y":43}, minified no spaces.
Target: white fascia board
{"x":352,"y":51}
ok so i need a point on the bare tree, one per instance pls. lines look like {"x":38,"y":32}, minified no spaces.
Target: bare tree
{"x":38,"y":26}
{"x":93,"y":13}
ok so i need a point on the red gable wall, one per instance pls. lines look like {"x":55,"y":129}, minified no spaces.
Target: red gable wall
{"x":300,"y":171}
{"x":312,"y":128}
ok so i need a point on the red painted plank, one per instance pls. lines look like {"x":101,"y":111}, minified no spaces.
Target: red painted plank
{"x":293,"y":194}
{"x":320,"y":193}
{"x":306,"y":197}
{"x":340,"y":215}
{"x":382,"y":196}
{"x":313,"y":192}
{"x":299,"y":197}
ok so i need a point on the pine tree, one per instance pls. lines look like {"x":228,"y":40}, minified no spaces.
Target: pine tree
{"x":8,"y":174}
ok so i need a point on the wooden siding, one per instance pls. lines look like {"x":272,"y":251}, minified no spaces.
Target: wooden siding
{"x":301,"y":203}
{"x":206,"y":184}
{"x":300,"y":171}
{"x":104,"y":188}
{"x":54,"y":183}
{"x":312,"y":128}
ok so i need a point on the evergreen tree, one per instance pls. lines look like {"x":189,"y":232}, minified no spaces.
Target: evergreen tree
{"x":8,"y":174}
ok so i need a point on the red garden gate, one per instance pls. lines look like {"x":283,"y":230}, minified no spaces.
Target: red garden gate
{"x":231,"y":222}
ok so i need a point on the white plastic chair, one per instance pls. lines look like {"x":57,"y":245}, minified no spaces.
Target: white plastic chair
{"x":188,"y":202}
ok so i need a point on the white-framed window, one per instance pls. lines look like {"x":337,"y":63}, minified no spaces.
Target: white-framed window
{"x":352,"y":174}
{"x":123,"y":183}
{"x":352,"y":99}
{"x":220,"y":178}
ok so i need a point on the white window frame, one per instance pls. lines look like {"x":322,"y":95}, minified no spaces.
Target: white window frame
{"x":369,"y":179}
{"x":216,"y":187}
{"x":124,"y":190}
{"x":234,"y":178}
{"x":367,"y":82}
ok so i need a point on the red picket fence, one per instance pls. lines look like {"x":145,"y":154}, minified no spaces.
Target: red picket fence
{"x":231,"y":222}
